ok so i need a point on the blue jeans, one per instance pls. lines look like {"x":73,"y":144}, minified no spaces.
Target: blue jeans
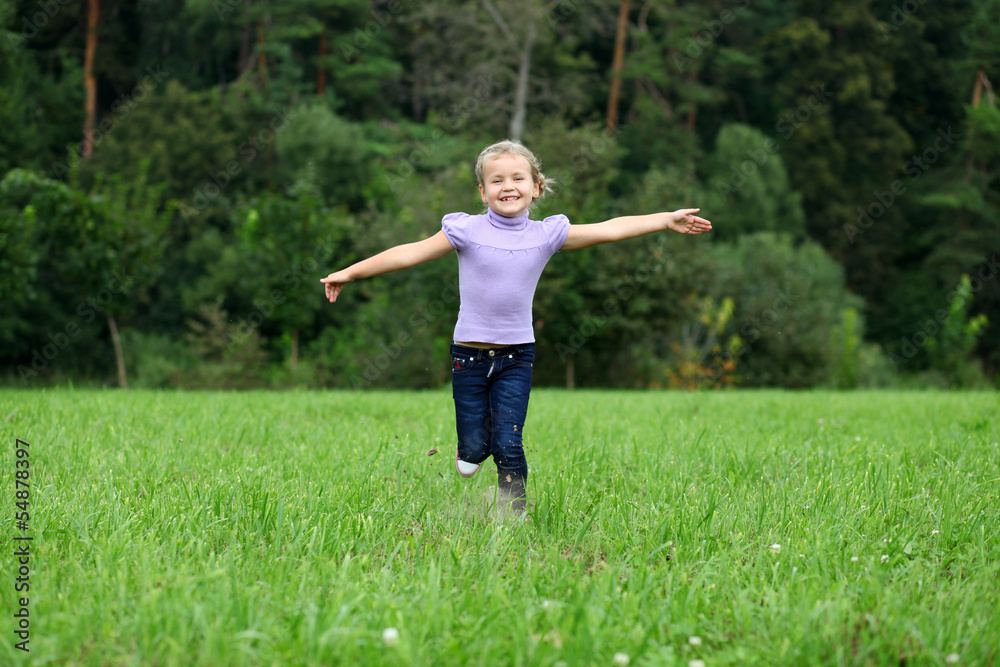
{"x":491,"y":389}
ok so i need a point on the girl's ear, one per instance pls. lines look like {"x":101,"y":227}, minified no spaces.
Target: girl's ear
{"x":482,"y":193}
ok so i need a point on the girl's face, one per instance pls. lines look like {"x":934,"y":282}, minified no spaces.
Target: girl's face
{"x":507,"y":185}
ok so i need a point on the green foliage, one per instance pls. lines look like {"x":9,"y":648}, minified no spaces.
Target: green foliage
{"x":875,"y":370}
{"x":41,"y":113}
{"x":649,"y":145}
{"x":951,"y":349}
{"x":318,"y":145}
{"x":831,"y":83}
{"x":19,"y":256}
{"x":704,"y":357}
{"x":54,"y":238}
{"x":464,"y":64}
{"x":749,"y":190}
{"x":285,"y":241}
{"x":847,"y":361}
{"x":160,"y":361}
{"x":134,"y":221}
{"x":583,"y":163}
{"x":183,"y":135}
{"x":856,"y":362}
{"x":789,"y":299}
{"x":983,"y":139}
{"x":102,"y":249}
{"x":263,"y":122}
{"x":230,"y":355}
{"x":980,"y":33}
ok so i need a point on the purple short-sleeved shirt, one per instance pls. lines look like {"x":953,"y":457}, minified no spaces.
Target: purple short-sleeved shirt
{"x":499,"y":262}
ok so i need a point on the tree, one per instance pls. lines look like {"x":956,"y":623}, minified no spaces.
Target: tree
{"x":133,"y":222}
{"x":869,"y":126}
{"x":748,"y":186}
{"x":287,"y":241}
{"x":19,"y":255}
{"x":611,"y":121}
{"x":465,"y":77}
{"x":951,"y":349}
{"x":101,"y":251}
{"x":41,"y":92}
{"x":788,"y":301}
{"x":530,"y":16}
{"x":319,"y":146}
{"x":189,"y":142}
{"x":59,"y":223}
{"x":93,"y":19}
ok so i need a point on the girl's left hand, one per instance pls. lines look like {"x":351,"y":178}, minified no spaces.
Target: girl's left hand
{"x":684,"y":221}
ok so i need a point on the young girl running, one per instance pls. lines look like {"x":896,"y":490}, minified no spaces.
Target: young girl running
{"x":501,"y":254}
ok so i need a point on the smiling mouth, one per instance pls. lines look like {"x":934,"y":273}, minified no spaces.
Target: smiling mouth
{"x":509,"y":198}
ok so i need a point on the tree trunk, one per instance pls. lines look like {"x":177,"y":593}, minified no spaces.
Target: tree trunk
{"x":617,"y":64}
{"x":119,"y":357}
{"x":245,"y":59}
{"x":89,"y":80}
{"x":521,"y":97}
{"x":421,"y":77}
{"x":977,"y":92}
{"x":571,"y":371}
{"x":321,"y":75}
{"x":523,"y":71}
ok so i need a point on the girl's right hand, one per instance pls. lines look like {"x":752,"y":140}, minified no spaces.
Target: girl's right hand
{"x":334,"y":283}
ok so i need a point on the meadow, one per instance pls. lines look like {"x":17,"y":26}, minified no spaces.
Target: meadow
{"x":666,"y":528}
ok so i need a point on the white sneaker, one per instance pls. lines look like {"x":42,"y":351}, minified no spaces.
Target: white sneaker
{"x":466,"y":469}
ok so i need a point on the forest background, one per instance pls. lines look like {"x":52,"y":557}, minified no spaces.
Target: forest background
{"x":176,"y":176}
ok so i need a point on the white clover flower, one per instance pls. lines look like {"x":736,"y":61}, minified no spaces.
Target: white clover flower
{"x":935,"y":532}
{"x":885,"y":558}
{"x":696,"y":663}
{"x":390,"y":636}
{"x":952,"y":658}
{"x":694,"y":640}
{"x":621,"y":659}
{"x":854,"y":559}
{"x":776,"y":548}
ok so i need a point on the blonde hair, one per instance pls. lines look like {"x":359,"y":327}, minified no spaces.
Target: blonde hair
{"x":517,"y":149}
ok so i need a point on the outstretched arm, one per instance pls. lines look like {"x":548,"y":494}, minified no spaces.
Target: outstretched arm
{"x":395,"y":258}
{"x":683,"y":221}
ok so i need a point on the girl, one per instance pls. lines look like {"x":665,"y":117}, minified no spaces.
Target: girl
{"x":501,"y":254}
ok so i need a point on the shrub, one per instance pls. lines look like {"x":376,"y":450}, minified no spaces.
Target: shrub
{"x":789,"y":300}
{"x":951,"y":349}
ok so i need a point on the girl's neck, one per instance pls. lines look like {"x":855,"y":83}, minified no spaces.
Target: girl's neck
{"x":502,"y":222}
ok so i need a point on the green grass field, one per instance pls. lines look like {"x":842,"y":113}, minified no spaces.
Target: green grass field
{"x":295,"y":528}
